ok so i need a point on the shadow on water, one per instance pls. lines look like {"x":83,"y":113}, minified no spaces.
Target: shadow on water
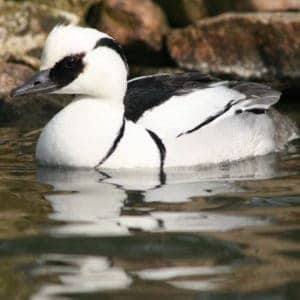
{"x":226,"y":232}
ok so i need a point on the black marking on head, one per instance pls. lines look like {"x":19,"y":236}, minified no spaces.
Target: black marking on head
{"x":151,"y":91}
{"x":114,"y":45}
{"x":162,"y":154}
{"x":114,"y":145}
{"x":67,"y":69}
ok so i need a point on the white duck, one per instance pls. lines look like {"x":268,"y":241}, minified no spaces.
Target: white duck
{"x":171,"y":120}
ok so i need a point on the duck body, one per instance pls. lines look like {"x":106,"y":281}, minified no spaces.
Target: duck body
{"x":176,"y":104}
{"x":82,"y":134}
{"x":159,"y":121}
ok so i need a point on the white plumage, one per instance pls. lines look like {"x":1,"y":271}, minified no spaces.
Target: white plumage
{"x":187,"y":120}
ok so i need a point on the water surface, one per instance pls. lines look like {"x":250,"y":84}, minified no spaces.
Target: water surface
{"x":229,"y":232}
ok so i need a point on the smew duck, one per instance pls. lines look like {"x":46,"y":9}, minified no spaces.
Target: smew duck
{"x":159,"y":121}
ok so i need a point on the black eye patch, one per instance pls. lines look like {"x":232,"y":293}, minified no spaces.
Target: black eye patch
{"x":67,"y":69}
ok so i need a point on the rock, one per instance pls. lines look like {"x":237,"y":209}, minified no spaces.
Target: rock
{"x":137,"y":25}
{"x":262,"y":46}
{"x":31,"y":110}
{"x":24,"y":27}
{"x":184,"y":12}
{"x":274,"y":5}
{"x":181,"y":13}
{"x":78,"y":7}
{"x":11,"y":75}
{"x":141,"y":70}
{"x":217,"y":7}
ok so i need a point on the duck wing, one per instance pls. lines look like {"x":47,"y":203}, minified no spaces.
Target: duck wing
{"x":147,"y":92}
{"x":172,"y":105}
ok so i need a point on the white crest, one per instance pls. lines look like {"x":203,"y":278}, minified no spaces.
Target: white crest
{"x":66,"y":40}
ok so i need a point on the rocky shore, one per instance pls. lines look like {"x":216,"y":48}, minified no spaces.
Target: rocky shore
{"x":246,"y":40}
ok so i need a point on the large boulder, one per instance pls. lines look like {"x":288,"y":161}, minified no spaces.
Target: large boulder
{"x":262,"y":46}
{"x":139,"y":26}
{"x":24,"y":27}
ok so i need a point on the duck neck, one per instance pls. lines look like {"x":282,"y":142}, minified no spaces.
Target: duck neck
{"x":109,"y":92}
{"x":114,"y":121}
{"x":116,"y":104}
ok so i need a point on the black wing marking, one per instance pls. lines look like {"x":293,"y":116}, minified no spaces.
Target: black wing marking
{"x":209,"y":119}
{"x":147,"y":92}
{"x":257,"y":99}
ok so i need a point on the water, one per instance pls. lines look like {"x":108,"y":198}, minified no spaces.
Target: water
{"x":229,"y":232}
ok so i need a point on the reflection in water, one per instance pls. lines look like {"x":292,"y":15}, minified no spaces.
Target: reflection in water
{"x":92,"y":203}
{"x":196,"y":283}
{"x":79,"y":274}
{"x":89,"y":203}
{"x":173,"y":272}
{"x":124,"y":235}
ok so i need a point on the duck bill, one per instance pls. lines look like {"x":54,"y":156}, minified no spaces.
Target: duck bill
{"x":40,"y":83}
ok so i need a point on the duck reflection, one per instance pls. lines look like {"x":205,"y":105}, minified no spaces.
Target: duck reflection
{"x":94,"y":203}
{"x":78,"y":274}
{"x":89,"y":203}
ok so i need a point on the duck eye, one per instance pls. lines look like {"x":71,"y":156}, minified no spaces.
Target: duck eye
{"x":70,"y":62}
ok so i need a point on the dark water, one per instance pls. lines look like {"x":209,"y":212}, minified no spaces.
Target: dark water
{"x":230,"y":232}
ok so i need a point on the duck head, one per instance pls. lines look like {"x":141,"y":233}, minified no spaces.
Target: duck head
{"x":81,"y":61}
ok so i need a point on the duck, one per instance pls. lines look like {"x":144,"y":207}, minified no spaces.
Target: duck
{"x":158,"y":121}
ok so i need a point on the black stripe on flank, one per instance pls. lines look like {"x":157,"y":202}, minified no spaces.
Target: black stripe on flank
{"x":209,"y":119}
{"x":67,"y":69}
{"x":114,"y":144}
{"x":162,"y":153}
{"x":114,"y":45}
